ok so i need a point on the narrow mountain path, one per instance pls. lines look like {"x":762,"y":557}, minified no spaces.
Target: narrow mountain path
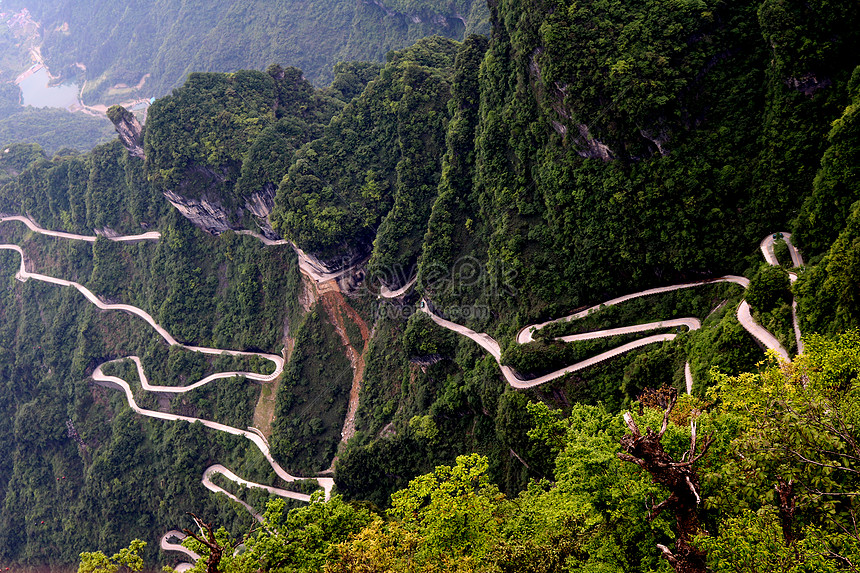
{"x":218,"y":469}
{"x":23,"y":275}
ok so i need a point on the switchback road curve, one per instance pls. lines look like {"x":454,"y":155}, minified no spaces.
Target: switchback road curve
{"x":98,"y":375}
{"x":526,"y":334}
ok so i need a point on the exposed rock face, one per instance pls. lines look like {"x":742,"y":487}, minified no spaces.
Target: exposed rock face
{"x":321,"y":267}
{"x":658,"y":136}
{"x":560,"y":128}
{"x":206,"y":214}
{"x":260,"y":204}
{"x":808,"y":84}
{"x":129,"y":129}
{"x":593,"y":148}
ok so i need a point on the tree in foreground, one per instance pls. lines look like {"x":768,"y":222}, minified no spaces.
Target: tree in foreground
{"x":789,"y":495}
{"x":129,"y":558}
{"x":679,"y":477}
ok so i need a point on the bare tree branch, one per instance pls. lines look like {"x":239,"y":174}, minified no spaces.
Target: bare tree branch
{"x":658,"y":509}
{"x":631,"y":424}
{"x":672,"y":400}
{"x":646,"y":451}
{"x":667,"y":553}
{"x":215,"y":549}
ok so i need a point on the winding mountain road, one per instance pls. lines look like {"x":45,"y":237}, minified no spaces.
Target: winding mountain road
{"x":307,"y":265}
{"x":385,"y":292}
{"x":766,"y":247}
{"x":150,"y":236}
{"x":489,"y":344}
{"x":796,"y":261}
{"x":526,"y":334}
{"x":23,"y":275}
{"x":168,"y":545}
{"x":99,"y":376}
{"x":327,"y":484}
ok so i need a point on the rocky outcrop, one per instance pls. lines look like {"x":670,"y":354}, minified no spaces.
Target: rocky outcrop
{"x":808,"y":84}
{"x":129,"y":129}
{"x":207,"y":214}
{"x":592,"y":148}
{"x":658,"y":136}
{"x":349,"y":258}
{"x":260,"y":205}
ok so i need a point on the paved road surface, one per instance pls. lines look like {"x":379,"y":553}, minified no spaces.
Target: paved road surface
{"x":490,"y":345}
{"x":766,"y":247}
{"x":308,"y":267}
{"x":525,"y":335}
{"x":168,"y":545}
{"x":99,"y":376}
{"x":306,"y":264}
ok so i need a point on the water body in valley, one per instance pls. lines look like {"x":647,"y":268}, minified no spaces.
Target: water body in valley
{"x":37,"y":93}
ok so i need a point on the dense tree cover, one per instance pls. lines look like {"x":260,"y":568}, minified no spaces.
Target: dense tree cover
{"x":769,"y":287}
{"x":828,"y":293}
{"x":231,"y":135}
{"x":98,"y":562}
{"x":376,"y":166}
{"x":81,"y":192}
{"x":54,"y":129}
{"x":312,"y":398}
{"x":835,"y":187}
{"x":587,"y":149}
{"x":774,"y":468}
{"x":132,"y":52}
{"x":450,"y":231}
{"x":133,"y":475}
{"x":124,"y":43}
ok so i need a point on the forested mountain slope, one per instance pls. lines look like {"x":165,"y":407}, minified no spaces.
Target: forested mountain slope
{"x":117,"y":52}
{"x":123,"y":42}
{"x":586,"y":150}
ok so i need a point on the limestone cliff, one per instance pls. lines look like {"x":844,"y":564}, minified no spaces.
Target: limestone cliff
{"x":129,"y":129}
{"x":260,"y":204}
{"x":205,"y":212}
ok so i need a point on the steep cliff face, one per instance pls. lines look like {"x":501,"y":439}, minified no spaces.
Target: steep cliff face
{"x":260,"y":205}
{"x":205,"y":212}
{"x":129,"y":129}
{"x":210,"y":214}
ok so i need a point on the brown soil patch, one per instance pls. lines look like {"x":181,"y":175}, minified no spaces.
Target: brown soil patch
{"x":334,"y":304}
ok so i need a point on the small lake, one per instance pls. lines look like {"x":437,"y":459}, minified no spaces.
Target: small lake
{"x":35,"y":91}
